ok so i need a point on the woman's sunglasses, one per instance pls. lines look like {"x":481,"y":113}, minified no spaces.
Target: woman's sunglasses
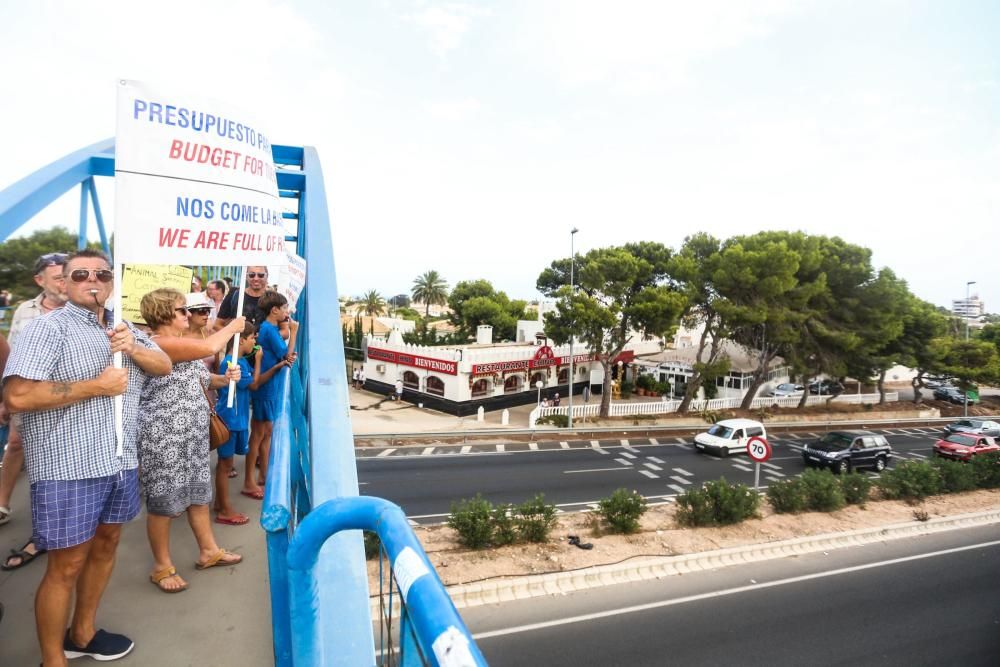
{"x":81,"y":275}
{"x":199,"y":311}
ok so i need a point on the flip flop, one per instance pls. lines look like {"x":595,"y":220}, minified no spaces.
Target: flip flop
{"x":256,"y":495}
{"x":157,"y":579}
{"x":216,"y":560}
{"x":4,"y":515}
{"x":238,"y":520}
{"x":232,"y":473}
{"x":22,"y":553}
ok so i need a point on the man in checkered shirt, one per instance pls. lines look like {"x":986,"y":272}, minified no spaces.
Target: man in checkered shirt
{"x":61,"y":378}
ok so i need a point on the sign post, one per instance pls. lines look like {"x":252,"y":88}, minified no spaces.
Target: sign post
{"x":759,"y":450}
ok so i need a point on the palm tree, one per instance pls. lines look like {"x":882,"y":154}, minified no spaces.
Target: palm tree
{"x":374,"y":303}
{"x":430,"y":288}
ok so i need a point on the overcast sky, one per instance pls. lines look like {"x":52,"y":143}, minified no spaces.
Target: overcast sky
{"x":470,"y":137}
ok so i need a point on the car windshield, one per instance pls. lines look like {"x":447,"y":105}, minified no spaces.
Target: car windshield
{"x":833,"y":441}
{"x":964,"y":440}
{"x":786,"y":387}
{"x":720,"y":431}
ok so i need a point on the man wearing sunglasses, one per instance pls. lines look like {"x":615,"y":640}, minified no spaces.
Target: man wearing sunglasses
{"x":256,"y":285}
{"x":61,"y":378}
{"x":48,"y":276}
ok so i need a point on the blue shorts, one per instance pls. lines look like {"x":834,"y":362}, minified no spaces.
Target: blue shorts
{"x":264,"y":409}
{"x":238,"y":443}
{"x":65,"y":513}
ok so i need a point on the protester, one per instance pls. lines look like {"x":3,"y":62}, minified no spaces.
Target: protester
{"x":198,"y":309}
{"x":355,"y":378}
{"x":266,"y":400}
{"x":256,"y":285}
{"x":4,"y":298}
{"x":237,"y":419}
{"x":216,"y":292}
{"x":361,"y":378}
{"x":49,"y":276}
{"x":196,"y":284}
{"x":60,"y":376}
{"x":173,"y":436}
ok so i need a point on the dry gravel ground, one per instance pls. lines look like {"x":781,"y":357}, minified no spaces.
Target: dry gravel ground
{"x":661,"y":536}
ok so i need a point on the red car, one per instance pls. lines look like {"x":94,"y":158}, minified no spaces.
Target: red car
{"x":963,"y":446}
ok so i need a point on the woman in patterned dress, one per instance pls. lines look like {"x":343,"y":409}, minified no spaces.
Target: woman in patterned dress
{"x":174,"y":459}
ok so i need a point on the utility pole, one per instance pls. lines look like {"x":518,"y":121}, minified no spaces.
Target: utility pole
{"x":572,"y":290}
{"x":967,"y":285}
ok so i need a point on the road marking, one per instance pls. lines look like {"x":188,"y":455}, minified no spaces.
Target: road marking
{"x":796,"y":448}
{"x":628,"y":456}
{"x":595,"y":444}
{"x":678,"y":489}
{"x":564,"y":444}
{"x":652,"y":466}
{"x":653,"y":441}
{"x":654,"y":459}
{"x":427,"y":451}
{"x":501,"y":449}
{"x":533,"y":445}
{"x":771,"y":466}
{"x":814,"y":435}
{"x":771,"y":479}
{"x":602,"y":451}
{"x":363,"y":483}
{"x":682,"y":471}
{"x":624,"y":442}
{"x":651,"y":475}
{"x":791,"y":435}
{"x":917,"y":455}
{"x":624,"y":462}
{"x":773,"y":472}
{"x":679,"y":479}
{"x":570,"y":472}
{"x":723,"y":593}
{"x":742,"y":467}
{"x":680,"y":441}
{"x":466,"y":449}
{"x":385,"y":452}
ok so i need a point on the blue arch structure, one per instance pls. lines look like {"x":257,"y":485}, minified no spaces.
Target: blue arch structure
{"x":312,"y":512}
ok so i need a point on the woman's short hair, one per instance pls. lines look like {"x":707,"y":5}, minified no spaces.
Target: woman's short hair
{"x":160,"y":306}
{"x":271,"y":300}
{"x":219,"y":285}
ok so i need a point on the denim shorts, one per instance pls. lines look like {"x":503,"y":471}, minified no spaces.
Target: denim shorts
{"x":238,"y":443}
{"x":65,"y":513}
{"x":264,"y":409}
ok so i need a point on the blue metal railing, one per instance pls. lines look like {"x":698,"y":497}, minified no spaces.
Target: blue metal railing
{"x":312,"y":513}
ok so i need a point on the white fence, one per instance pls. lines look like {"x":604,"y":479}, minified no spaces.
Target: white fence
{"x":628,"y":408}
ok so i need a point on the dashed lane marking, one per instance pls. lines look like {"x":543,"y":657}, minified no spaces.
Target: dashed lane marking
{"x":616,"y":469}
{"x":533,"y":445}
{"x":680,"y":441}
{"x":628,"y":456}
{"x":501,"y":449}
{"x":427,"y":451}
{"x":678,"y":489}
{"x":682,"y":471}
{"x":564,"y":444}
{"x":680,"y":480}
{"x":385,"y":452}
{"x":651,"y":475}
{"x":624,"y":462}
{"x":654,"y":459}
{"x":652,"y":466}
{"x":466,"y":449}
{"x":653,"y":441}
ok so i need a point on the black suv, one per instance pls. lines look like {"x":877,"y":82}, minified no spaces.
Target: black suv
{"x":953,"y":395}
{"x":844,"y":451}
{"x":825,"y":387}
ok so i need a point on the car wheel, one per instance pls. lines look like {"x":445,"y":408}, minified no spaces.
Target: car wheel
{"x":879,"y":464}
{"x":723,"y":452}
{"x":844,"y":467}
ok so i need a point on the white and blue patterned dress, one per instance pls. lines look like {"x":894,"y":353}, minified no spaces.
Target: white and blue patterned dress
{"x":174,"y":459}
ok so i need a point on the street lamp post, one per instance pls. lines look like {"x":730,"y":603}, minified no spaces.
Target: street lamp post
{"x":538,"y":386}
{"x":967,"y":285}
{"x":572,"y":288}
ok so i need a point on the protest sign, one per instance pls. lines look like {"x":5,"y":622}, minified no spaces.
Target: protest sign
{"x":141,"y":279}
{"x":291,"y":279}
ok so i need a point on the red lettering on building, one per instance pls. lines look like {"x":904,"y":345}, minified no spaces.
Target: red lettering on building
{"x":437,"y":365}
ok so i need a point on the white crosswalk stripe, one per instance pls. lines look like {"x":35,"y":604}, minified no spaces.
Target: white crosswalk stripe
{"x":774,"y":472}
{"x":501,"y":449}
{"x":533,"y":445}
{"x":680,"y":441}
{"x":595,"y":444}
{"x":628,"y":456}
{"x":680,"y":480}
{"x":652,"y":466}
{"x":677,"y":488}
{"x":564,"y":444}
{"x":771,"y":479}
{"x":771,"y":466}
{"x":682,"y":471}
{"x":466,"y":449}
{"x":651,"y":475}
{"x":427,"y":451}
{"x":920,"y":456}
{"x":654,"y":459}
{"x":386,"y":452}
{"x":624,"y":462}
{"x":792,"y":436}
{"x":601,"y":451}
{"x":742,"y":467}
{"x":653,"y":441}
{"x":624,"y":442}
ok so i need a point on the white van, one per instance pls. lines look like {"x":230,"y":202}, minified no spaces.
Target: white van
{"x":729,"y":435}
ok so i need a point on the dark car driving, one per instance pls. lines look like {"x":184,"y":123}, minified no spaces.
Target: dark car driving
{"x":825,"y":387}
{"x":844,"y":451}
{"x":952,"y":395}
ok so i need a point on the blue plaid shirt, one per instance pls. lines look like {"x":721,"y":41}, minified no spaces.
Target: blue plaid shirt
{"x":76,"y":441}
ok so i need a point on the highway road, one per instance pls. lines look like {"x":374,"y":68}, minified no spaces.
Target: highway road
{"x":932,"y":600}
{"x":575,"y":474}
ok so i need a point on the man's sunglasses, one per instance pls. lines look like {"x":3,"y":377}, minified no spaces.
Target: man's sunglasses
{"x":252,"y":274}
{"x":81,"y":275}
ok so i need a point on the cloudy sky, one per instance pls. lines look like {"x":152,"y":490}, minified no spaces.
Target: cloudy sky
{"x":470,"y":137}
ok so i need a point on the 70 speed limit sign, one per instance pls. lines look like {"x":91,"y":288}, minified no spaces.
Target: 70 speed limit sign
{"x":758,"y":449}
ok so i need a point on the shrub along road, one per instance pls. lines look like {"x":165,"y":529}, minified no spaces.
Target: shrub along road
{"x":575,"y":475}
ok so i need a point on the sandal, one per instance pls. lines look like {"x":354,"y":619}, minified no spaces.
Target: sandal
{"x":217,"y":560}
{"x":5,"y":513}
{"x":232,"y":473}
{"x":157,"y":579}
{"x":237,"y":519}
{"x":22,"y":553}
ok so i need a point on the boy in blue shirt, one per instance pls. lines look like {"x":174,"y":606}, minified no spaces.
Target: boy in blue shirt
{"x":265,"y":400}
{"x":237,"y":419}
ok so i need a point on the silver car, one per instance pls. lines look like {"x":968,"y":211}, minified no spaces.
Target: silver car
{"x":787,"y":389}
{"x":974,"y":426}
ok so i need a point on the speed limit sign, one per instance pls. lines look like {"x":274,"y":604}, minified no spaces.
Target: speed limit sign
{"x":758,"y":449}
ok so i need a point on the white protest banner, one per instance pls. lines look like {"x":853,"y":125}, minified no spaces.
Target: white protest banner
{"x":291,"y":279}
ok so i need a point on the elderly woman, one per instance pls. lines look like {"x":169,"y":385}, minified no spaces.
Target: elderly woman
{"x":174,"y":456}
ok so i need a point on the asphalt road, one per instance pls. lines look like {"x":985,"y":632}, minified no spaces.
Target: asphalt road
{"x":933,"y":600}
{"x":574,"y":475}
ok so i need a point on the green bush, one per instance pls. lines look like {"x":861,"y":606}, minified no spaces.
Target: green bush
{"x":822,"y":490}
{"x":955,"y":477}
{"x":373,"y":545}
{"x":622,"y":510}
{"x":987,"y":470}
{"x":504,"y":526}
{"x":627,"y":388}
{"x":535,"y":519}
{"x":910,"y":481}
{"x":787,"y":496}
{"x":717,"y":503}
{"x":560,"y":421}
{"x":856,"y":488}
{"x":473,"y":521}
{"x":662,"y":388}
{"x":647,"y":382}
